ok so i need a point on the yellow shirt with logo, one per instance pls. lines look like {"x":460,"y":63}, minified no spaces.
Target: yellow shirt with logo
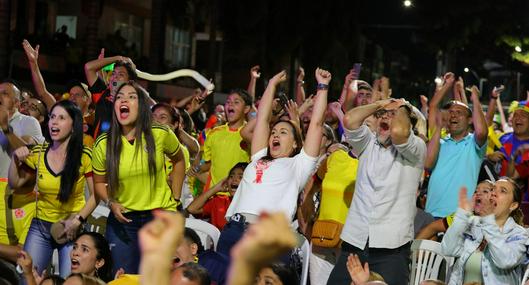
{"x":137,"y":190}
{"x":338,"y":186}
{"x":15,"y":222}
{"x":224,"y":148}
{"x":49,"y":208}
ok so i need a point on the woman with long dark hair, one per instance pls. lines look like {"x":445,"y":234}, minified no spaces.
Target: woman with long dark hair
{"x":63,"y":166}
{"x":129,"y":158}
{"x":280,"y":164}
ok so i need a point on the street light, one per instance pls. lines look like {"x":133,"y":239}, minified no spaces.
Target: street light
{"x":518,"y":49}
{"x":407,"y":3}
{"x":466,"y":69}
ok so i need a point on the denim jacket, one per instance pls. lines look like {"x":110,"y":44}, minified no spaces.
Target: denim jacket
{"x":503,"y":256}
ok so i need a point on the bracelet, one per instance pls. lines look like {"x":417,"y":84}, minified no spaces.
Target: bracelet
{"x":301,"y":82}
{"x":322,"y":86}
{"x":494,"y":97}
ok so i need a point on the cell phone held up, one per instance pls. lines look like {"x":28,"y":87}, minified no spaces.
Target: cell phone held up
{"x":357,"y":67}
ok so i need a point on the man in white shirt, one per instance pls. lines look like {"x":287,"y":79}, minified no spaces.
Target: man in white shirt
{"x":379,"y":225}
{"x":16,"y":130}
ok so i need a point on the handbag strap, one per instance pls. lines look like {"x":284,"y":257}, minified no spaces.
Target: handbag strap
{"x":36,"y":187}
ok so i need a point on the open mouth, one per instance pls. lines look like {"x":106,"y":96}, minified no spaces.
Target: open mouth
{"x":275,"y":144}
{"x":54,"y":131}
{"x":384,"y":126}
{"x":234,"y":186}
{"x":75,"y":264}
{"x":124,"y":112}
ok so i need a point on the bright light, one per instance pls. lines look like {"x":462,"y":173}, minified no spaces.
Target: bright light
{"x":407,"y":3}
{"x":518,"y":49}
{"x":438,"y":80}
{"x":466,"y":69}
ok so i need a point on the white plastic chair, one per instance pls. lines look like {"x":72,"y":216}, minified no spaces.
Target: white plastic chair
{"x":208,"y":233}
{"x":525,"y":276}
{"x":426,"y":260}
{"x":306,"y":249}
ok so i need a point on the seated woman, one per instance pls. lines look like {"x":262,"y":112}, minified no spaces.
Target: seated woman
{"x":491,"y":248}
{"x":90,"y":256}
{"x":481,"y":195}
{"x":280,"y":164}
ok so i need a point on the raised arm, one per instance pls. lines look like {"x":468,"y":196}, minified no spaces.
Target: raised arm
{"x":354,"y":118}
{"x":247,"y":130}
{"x":38,"y":82}
{"x":401,"y":124}
{"x":489,"y":117}
{"x":300,"y":89}
{"x":92,"y":67}
{"x":315,"y":130}
{"x":481,"y":131}
{"x":262,"y":128}
{"x":434,"y":144}
{"x":438,"y":96}
{"x":254,"y":75}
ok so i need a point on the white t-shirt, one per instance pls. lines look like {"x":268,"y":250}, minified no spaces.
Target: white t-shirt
{"x":272,"y":186}
{"x":22,"y":126}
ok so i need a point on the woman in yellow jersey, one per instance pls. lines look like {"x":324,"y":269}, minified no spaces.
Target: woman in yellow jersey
{"x":338,"y":174}
{"x":130,"y":159}
{"x":165,"y":114}
{"x":63,"y":167}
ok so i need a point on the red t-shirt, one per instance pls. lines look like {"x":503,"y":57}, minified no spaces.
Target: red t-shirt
{"x":216,"y":208}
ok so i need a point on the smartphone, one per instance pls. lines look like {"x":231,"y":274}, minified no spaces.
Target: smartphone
{"x":499,"y":89}
{"x":283,"y":99}
{"x":357,"y":67}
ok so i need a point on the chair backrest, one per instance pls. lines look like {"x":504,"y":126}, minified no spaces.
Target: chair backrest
{"x":306,"y":249}
{"x":208,"y":233}
{"x":426,"y":261}
{"x":525,"y":276}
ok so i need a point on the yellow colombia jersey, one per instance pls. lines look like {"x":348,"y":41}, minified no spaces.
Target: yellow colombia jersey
{"x":49,"y":208}
{"x":493,"y":141}
{"x":138,"y":191}
{"x":338,"y":186}
{"x":224,"y":148}
{"x":14,"y":223}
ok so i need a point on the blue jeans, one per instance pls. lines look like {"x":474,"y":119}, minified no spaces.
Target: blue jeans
{"x":40,"y":245}
{"x":231,"y":234}
{"x":123,"y":240}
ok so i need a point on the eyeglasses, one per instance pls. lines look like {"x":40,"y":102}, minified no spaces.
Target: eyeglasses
{"x":32,"y":107}
{"x":380,"y":113}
